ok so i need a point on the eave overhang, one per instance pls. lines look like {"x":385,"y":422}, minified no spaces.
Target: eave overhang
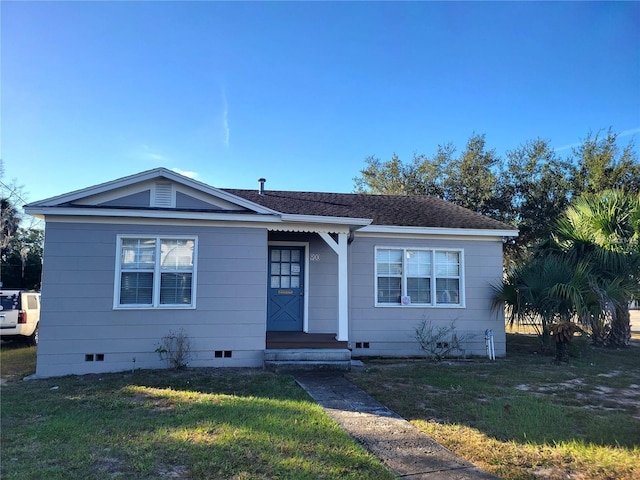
{"x":437,"y":231}
{"x":273,"y":221}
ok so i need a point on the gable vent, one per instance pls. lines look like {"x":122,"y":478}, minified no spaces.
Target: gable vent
{"x":163,"y":195}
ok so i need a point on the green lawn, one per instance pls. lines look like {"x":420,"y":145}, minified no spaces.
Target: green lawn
{"x":195,"y":424}
{"x":524,"y":417}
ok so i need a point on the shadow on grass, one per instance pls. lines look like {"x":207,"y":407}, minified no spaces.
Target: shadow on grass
{"x":525,"y":398}
{"x":196,"y":423}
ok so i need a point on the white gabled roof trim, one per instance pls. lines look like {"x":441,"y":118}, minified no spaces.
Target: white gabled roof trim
{"x":147,"y":176}
{"x":306,"y":222}
{"x":48,"y":212}
{"x":244,"y":221}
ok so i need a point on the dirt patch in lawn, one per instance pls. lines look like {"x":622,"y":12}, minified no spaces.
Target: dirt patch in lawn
{"x":596,"y":397}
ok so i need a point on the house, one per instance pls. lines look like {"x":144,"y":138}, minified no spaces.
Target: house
{"x":246,"y":273}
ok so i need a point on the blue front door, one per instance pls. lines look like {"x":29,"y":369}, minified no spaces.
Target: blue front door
{"x":285,"y":299}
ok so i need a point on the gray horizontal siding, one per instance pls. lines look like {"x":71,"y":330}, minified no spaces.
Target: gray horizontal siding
{"x":140,"y":199}
{"x":75,"y":364}
{"x":186,"y":201}
{"x":390,"y":329}
{"x":473,"y":345}
{"x":77,"y":300}
{"x":323,"y":294}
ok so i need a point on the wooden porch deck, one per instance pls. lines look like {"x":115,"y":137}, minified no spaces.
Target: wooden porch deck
{"x":299,"y":340}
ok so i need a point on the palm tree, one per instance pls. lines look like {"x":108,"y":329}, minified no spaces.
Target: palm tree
{"x":603,"y":231}
{"x":543,"y":290}
{"x":588,"y":272}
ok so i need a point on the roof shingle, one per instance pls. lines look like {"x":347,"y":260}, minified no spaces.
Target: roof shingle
{"x":392,"y":210}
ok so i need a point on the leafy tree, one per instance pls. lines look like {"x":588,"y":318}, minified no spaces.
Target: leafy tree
{"x":20,"y":248}
{"x":21,"y":259}
{"x":10,"y":219}
{"x":392,"y":177}
{"x":536,"y":188}
{"x":379,"y":177}
{"x":471,"y":180}
{"x":600,"y":164}
{"x":433,"y":171}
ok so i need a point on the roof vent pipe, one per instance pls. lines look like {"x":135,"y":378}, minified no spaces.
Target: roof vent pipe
{"x":262,"y":180}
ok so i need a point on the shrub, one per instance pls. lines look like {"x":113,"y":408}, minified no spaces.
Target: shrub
{"x":439,"y":342}
{"x":175,"y":349}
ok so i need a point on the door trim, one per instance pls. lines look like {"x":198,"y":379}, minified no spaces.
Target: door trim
{"x":305,"y":308}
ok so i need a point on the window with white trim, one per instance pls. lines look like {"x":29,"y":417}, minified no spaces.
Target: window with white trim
{"x":155,"y":272}
{"x":418,"y":276}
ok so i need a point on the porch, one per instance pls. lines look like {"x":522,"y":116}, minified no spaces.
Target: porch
{"x":298,"y":340}
{"x":294,"y":351}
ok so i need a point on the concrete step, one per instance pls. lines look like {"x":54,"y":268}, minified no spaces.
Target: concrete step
{"x":308,"y":354}
{"x":307,"y":359}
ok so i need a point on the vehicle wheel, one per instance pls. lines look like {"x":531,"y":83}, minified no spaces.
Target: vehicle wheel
{"x":33,"y":339}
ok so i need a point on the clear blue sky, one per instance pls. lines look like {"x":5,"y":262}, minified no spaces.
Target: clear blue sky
{"x":301,"y":93}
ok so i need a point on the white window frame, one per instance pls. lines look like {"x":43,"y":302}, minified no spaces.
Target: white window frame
{"x":434,"y":303}
{"x":157,"y":271}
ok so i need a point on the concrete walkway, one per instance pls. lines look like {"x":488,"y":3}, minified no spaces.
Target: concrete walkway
{"x":402,"y":448}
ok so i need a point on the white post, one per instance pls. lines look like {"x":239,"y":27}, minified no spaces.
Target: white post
{"x":343,"y":294}
{"x":491,"y":349}
{"x":343,"y":291}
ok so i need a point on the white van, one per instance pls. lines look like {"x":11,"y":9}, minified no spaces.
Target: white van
{"x":19,"y":315}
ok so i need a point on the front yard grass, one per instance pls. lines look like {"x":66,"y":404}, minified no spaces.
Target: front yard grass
{"x":524,"y":417}
{"x":194,"y":424}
